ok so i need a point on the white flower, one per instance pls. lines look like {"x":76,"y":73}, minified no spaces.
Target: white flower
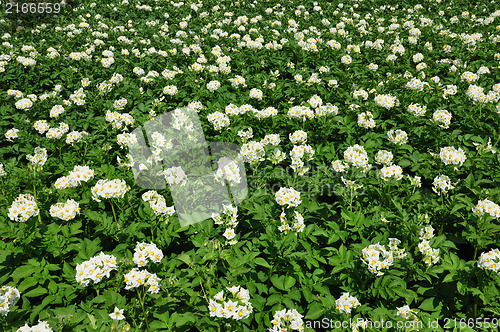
{"x":285,"y":319}
{"x":490,"y":260}
{"x":405,"y":312}
{"x":391,"y":172}
{"x":298,"y":137}
{"x":357,"y":156}
{"x":288,"y":196}
{"x":8,"y":297}
{"x":117,"y":314}
{"x":229,"y":234}
{"x":252,"y":152}
{"x":23,"y":207}
{"x":65,"y":211}
{"x":442,"y":184}
{"x":377,"y":258}
{"x":23,"y":104}
{"x":146,"y":251}
{"x":346,"y":303}
{"x":11,"y":134}
{"x":450,"y":155}
{"x":95,"y":269}
{"x":116,"y":188}
{"x":487,"y":206}
{"x":218,"y":120}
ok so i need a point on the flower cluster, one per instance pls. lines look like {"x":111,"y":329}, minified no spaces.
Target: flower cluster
{"x":120,"y":104}
{"x":8,"y":297}
{"x":158,"y":203}
{"x":266,"y":113}
{"x":415,"y":181}
{"x":273,"y":139}
{"x":346,"y":303}
{"x":65,"y":211}
{"x":276,"y":156}
{"x":126,"y":139}
{"x":136,"y":278}
{"x":56,"y":110}
{"x":350,"y":184}
{"x":175,"y":175}
{"x":229,"y":220}
{"x":237,"y":307}
{"x":287,"y":320}
{"x":75,"y":137}
{"x":377,"y":258}
{"x":315,"y":101}
{"x":298,"y":153}
{"x":57,"y":132}
{"x":228,"y":170}
{"x":95,"y":269}
{"x":406,"y":313}
{"x":109,"y":189}
{"x":39,"y":158}
{"x":327,"y":109}
{"x":245,"y":135}
{"x":391,"y":172}
{"x":384,"y":157}
{"x":386,"y":101}
{"x":237,"y":81}
{"x":431,"y":255}
{"x":298,"y":137}
{"x":357,"y":156}
{"x":297,"y":224}
{"x":11,"y":134}
{"x":24,"y":104}
{"x":397,"y":253}
{"x":398,"y":136}
{"x":442,"y":184}
{"x":490,"y":260}
{"x":219,"y":120}
{"x":289,"y":197}
{"x":301,"y":112}
{"x":256,"y":94}
{"x":340,"y":166}
{"x":417,"y":110}
{"x":119,"y":120}
{"x":450,"y":155}
{"x":252,"y":152}
{"x":426,"y":233}
{"x":78,"y":175}
{"x":170,"y":90}
{"x":40,"y":327}
{"x":147,"y":251}
{"x":23,"y":208}
{"x":487,"y":206}
{"x":213,"y":85}
{"x":442,"y":118}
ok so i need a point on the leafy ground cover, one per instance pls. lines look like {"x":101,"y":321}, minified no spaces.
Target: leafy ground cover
{"x":368,"y":136}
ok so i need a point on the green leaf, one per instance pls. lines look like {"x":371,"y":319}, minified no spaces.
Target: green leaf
{"x":27,"y":283}
{"x":22,"y":272}
{"x":315,"y":311}
{"x":289,"y":282}
{"x":278,"y":282}
{"x":184,"y":258}
{"x":262,"y":262}
{"x":36,"y":292}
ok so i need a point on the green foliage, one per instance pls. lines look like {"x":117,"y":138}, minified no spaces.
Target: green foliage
{"x":309,"y":270}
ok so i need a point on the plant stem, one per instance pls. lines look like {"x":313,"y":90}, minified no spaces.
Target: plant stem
{"x":34,"y":194}
{"x":114,"y":214}
{"x":141,"y":300}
